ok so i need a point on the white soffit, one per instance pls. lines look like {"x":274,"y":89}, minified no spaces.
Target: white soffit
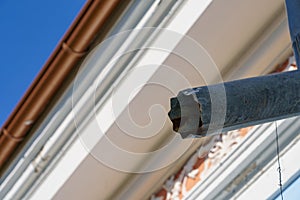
{"x":99,"y":180}
{"x":244,"y":38}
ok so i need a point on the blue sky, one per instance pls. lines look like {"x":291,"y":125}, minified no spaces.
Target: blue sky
{"x":30,"y":30}
{"x":292,"y":191}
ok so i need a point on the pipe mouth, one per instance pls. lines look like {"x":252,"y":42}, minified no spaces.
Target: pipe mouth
{"x":186,"y":118}
{"x":176,"y":124}
{"x":175,"y":114}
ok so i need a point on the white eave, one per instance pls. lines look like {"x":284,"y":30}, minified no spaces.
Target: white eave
{"x":244,"y":38}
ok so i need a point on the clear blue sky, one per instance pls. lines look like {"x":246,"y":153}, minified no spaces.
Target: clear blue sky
{"x":292,"y":192}
{"x":30,"y":30}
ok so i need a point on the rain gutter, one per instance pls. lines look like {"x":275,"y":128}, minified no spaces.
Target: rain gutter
{"x":90,"y":22}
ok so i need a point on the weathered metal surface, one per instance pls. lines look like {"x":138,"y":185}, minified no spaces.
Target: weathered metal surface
{"x":209,"y":110}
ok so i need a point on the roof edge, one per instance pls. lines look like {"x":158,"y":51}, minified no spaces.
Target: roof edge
{"x":68,"y":53}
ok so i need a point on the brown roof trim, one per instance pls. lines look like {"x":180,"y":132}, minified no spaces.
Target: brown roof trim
{"x":68,"y":53}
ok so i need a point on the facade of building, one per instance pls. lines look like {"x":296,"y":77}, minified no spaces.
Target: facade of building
{"x":96,"y":126}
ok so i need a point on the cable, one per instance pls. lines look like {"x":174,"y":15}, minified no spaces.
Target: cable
{"x":278,"y":161}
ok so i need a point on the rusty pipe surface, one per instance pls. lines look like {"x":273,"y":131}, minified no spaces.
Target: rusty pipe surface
{"x":236,"y":104}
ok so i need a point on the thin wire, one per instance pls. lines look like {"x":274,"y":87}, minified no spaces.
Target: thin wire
{"x":278,"y":161}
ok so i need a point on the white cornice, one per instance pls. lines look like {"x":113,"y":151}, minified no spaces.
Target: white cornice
{"x":250,"y":160}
